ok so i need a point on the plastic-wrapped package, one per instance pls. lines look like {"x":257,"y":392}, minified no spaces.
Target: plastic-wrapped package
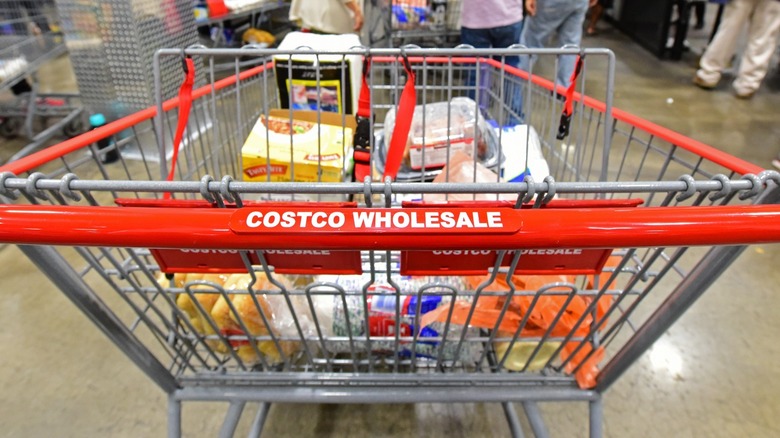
{"x":463,"y":169}
{"x":207,"y":291}
{"x":522,"y":149}
{"x":438,"y":131}
{"x":344,"y":321}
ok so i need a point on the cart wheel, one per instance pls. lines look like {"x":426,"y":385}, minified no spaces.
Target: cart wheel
{"x":73,"y":128}
{"x":10,"y":127}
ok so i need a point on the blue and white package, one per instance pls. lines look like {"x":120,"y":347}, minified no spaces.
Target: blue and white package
{"x":522,"y":150}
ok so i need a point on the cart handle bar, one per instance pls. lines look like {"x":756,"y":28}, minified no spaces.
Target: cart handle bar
{"x":531,"y":229}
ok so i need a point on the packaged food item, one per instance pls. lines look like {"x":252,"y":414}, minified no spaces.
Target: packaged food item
{"x":523,"y":151}
{"x":440,"y":129}
{"x":464,"y":169}
{"x":437,"y":132}
{"x":322,"y":82}
{"x":339,"y":320}
{"x":213,"y":310}
{"x":521,"y":354}
{"x":557,"y":314}
{"x":205,"y":301}
{"x":259,"y":37}
{"x":281,"y":148}
{"x":410,"y":14}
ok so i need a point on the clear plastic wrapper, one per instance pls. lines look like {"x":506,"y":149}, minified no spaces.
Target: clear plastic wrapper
{"x":344,"y":321}
{"x":437,"y":132}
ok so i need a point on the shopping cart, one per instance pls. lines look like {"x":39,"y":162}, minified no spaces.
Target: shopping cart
{"x":27,"y":42}
{"x":546,"y":289}
{"x":397,"y":22}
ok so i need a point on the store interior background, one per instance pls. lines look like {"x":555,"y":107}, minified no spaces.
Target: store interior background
{"x":713,"y":374}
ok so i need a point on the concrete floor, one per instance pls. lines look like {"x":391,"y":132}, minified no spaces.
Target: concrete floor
{"x":713,"y":374}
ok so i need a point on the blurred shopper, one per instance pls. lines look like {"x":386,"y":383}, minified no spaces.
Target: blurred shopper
{"x":700,"y":10}
{"x":327,"y":16}
{"x":564,"y":17}
{"x":763,"y":20}
{"x":596,"y":11}
{"x":489,"y":24}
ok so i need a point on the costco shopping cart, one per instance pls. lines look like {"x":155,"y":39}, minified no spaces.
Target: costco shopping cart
{"x":447,"y":284}
{"x":391,"y":23}
{"x":27,"y":42}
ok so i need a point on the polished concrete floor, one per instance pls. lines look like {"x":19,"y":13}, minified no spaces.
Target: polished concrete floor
{"x":714,"y":374}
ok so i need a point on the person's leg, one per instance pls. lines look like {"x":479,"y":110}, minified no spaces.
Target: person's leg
{"x":595,"y":15}
{"x":537,"y":29}
{"x":700,"y":9}
{"x":480,"y":39}
{"x":570,"y":34}
{"x":721,"y":49}
{"x":506,"y":36}
{"x":763,"y":32}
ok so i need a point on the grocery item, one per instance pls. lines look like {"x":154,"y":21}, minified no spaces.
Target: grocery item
{"x":438,"y":131}
{"x":329,"y":83}
{"x":463,"y":168}
{"x":521,"y":354}
{"x":297,"y":148}
{"x":556,"y":314}
{"x":205,"y":301}
{"x":410,"y":14}
{"x":338,"y":320}
{"x":523,"y":151}
{"x":258,"y":37}
{"x":442,"y":128}
{"x":213,"y":310}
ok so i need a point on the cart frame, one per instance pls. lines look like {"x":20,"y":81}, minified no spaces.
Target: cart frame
{"x":670,"y":223}
{"x":36,"y":51}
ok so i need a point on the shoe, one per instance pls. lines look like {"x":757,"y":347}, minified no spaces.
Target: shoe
{"x":776,"y":163}
{"x":701,"y":83}
{"x":745,"y":95}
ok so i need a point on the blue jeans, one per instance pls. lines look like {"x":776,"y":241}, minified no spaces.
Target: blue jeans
{"x":564,"y":17}
{"x":496,"y":37}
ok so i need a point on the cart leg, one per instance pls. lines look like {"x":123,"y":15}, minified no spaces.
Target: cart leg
{"x":257,"y":425}
{"x":596,"y":418}
{"x":231,"y":419}
{"x":174,"y":417}
{"x":511,"y":418}
{"x":535,"y":419}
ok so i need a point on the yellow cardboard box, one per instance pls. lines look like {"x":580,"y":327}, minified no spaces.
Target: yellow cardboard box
{"x":278,"y":150}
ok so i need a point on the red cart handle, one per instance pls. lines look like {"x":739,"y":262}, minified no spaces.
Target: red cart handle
{"x":386,"y":229}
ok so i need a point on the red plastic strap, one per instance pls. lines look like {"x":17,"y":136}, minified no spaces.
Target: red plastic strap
{"x":403,"y":122}
{"x":362,"y":159}
{"x":362,"y":154}
{"x":364,"y":101}
{"x":185,"y":102}
{"x":568,"y":107}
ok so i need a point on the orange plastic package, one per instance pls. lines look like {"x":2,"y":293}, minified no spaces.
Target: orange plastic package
{"x":557,"y":314}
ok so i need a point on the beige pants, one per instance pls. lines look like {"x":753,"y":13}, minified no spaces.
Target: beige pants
{"x":763,"y":20}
